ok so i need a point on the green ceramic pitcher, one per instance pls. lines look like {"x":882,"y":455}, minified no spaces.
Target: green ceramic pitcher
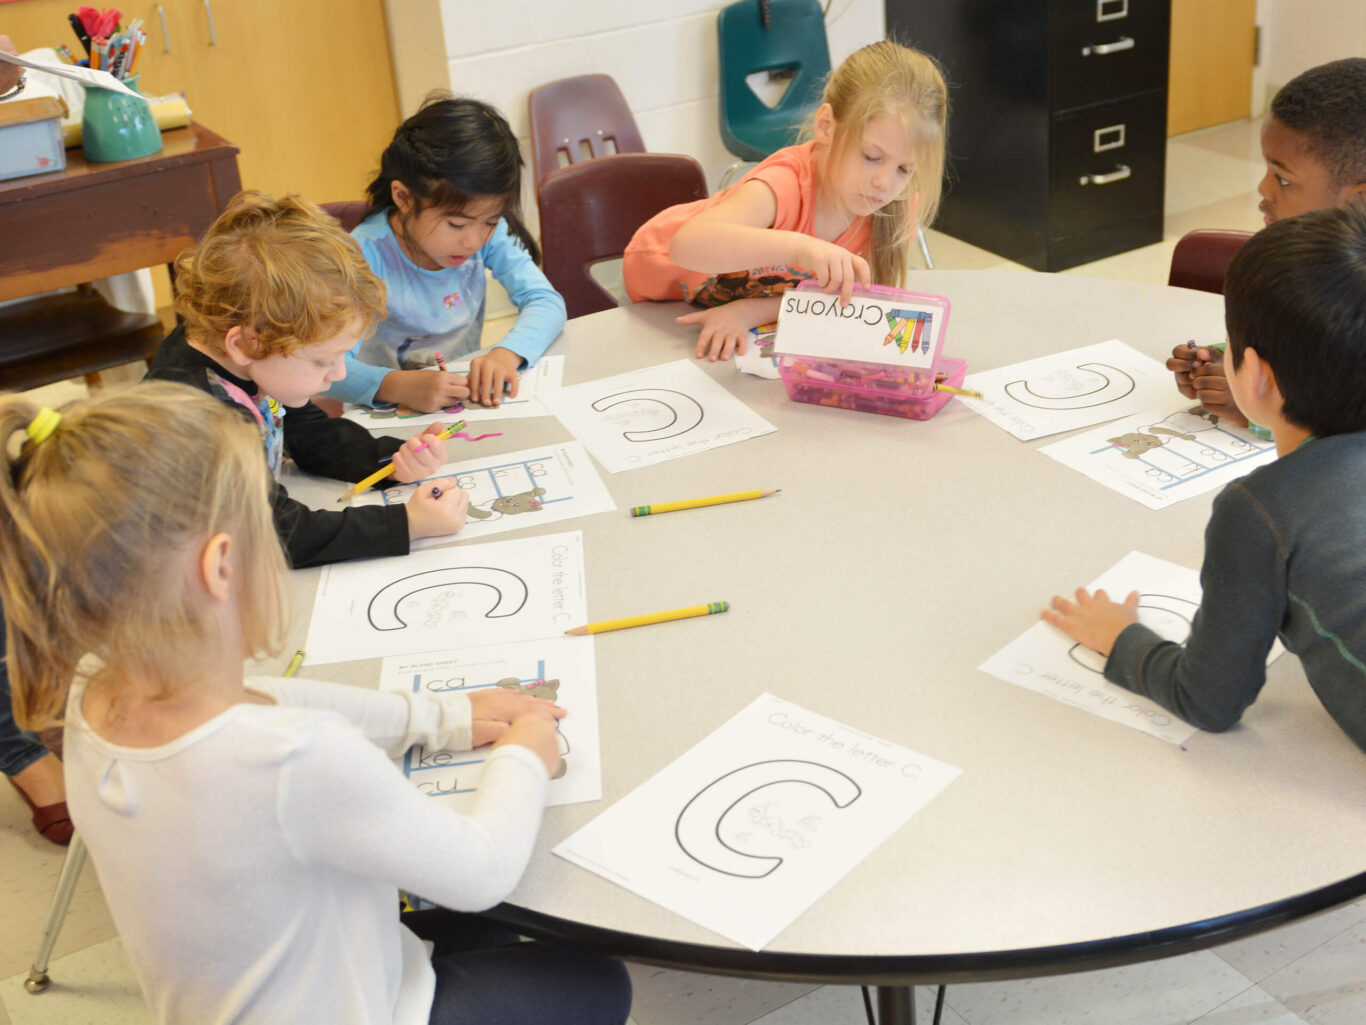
{"x":116,"y":126}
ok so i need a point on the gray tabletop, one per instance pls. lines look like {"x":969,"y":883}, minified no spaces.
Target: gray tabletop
{"x":899,"y":555}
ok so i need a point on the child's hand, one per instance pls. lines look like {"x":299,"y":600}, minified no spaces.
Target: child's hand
{"x":489,"y":374}
{"x":437,"y":507}
{"x":495,"y":708}
{"x":429,"y":391}
{"x":725,"y":330}
{"x":837,"y":269}
{"x":1211,"y":388}
{"x":411,"y":465}
{"x":1183,"y":360}
{"x":1094,"y":620}
{"x":535,"y":730}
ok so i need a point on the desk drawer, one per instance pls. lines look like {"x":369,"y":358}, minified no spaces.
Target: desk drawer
{"x":1105,"y":49}
{"x":1108,"y":164}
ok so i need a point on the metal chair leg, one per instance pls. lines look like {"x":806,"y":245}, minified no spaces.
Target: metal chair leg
{"x":56,"y":913}
{"x":725,"y":178}
{"x":924,"y":247}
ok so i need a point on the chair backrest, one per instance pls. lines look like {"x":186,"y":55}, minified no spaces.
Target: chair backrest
{"x":1200,"y":260}
{"x":793,"y":42}
{"x":574,"y":114}
{"x":349,"y":212}
{"x":590,"y":210}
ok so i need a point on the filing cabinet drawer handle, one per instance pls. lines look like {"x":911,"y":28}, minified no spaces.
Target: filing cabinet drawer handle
{"x":1100,"y":49}
{"x":1117,"y":175}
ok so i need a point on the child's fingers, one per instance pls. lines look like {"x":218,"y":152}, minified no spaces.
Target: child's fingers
{"x":863,"y":271}
{"x":691,"y":318}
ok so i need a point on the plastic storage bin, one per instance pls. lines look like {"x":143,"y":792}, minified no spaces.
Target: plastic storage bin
{"x":870,"y":387}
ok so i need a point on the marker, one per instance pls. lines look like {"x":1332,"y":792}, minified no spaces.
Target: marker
{"x":295,"y":662}
{"x":384,"y":471}
{"x":697,"y":503}
{"x":966,"y":392}
{"x":646,"y":620}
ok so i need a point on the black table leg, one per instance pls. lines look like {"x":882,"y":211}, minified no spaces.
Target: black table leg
{"x":895,"y":1005}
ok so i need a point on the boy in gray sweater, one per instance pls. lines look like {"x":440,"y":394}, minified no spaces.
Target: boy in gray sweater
{"x":1285,"y":549}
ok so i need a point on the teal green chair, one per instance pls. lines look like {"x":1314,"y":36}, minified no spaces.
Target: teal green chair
{"x":783,"y":38}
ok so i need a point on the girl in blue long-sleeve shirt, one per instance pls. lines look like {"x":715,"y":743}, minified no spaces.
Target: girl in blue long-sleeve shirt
{"x":443,"y":209}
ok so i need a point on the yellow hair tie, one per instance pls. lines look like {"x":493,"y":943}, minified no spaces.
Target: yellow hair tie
{"x":40,"y":428}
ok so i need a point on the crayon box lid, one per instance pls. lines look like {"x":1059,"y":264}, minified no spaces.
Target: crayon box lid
{"x":881,"y":326}
{"x":31,"y":136}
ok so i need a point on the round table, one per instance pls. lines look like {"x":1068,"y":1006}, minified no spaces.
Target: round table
{"x":899,"y":556}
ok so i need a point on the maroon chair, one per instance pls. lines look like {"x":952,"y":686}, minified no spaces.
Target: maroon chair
{"x":590,"y":210}
{"x":578,"y":117}
{"x":349,"y":213}
{"x":1200,"y":260}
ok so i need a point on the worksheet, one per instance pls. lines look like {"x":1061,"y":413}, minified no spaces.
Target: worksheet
{"x":493,"y":593}
{"x":558,"y":668}
{"x":652,"y":415}
{"x":1046,"y":660}
{"x":1071,"y":389}
{"x":1159,"y":458}
{"x":754,"y":824}
{"x":511,"y":491}
{"x":532,"y":382}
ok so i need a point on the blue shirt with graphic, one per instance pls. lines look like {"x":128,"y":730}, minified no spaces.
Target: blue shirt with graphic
{"x":431,"y":311}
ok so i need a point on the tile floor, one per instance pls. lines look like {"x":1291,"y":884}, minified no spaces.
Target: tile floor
{"x":1310,"y":973}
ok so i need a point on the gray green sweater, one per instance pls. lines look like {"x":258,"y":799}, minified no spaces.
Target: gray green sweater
{"x":1285,"y":555}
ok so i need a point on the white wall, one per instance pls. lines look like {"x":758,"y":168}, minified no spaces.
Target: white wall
{"x":1299,"y":34}
{"x":663,"y":58}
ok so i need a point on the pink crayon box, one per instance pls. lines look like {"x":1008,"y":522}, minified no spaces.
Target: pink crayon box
{"x":880,"y":354}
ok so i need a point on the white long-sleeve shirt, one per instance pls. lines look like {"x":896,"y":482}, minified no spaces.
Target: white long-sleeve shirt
{"x":251,"y":864}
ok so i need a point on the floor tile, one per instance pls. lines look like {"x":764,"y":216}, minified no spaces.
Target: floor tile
{"x":843,"y":1005}
{"x":1327,"y":986}
{"x":92,"y":987}
{"x":1262,"y":955}
{"x":664,"y":997}
{"x":1170,"y":992}
{"x":1253,"y":1006}
{"x":1197,"y":176}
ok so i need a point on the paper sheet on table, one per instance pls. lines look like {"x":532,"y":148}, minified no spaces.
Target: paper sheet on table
{"x":561,"y":669}
{"x":532,"y":382}
{"x":1067,"y":390}
{"x":494,"y":593}
{"x":515,"y":490}
{"x":752,"y":826}
{"x":753,"y":361}
{"x":76,"y":73}
{"x":1046,"y":660}
{"x":1158,"y":458}
{"x":652,"y":415}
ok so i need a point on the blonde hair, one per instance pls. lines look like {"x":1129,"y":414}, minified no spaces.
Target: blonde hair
{"x":283,"y":270}
{"x":96,"y":524}
{"x":888,"y":78}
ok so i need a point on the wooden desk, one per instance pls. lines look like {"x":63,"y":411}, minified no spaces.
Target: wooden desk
{"x":93,"y":220}
{"x":899,"y":556}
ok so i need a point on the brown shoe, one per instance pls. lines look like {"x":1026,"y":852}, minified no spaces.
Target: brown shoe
{"x":52,"y":821}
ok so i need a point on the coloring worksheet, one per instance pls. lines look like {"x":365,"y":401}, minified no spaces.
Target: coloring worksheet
{"x":1046,"y":660}
{"x":492,"y":593}
{"x":519,"y":489}
{"x":1071,"y":389}
{"x":652,"y":415}
{"x":752,"y":826}
{"x":533,"y":381}
{"x":558,"y":668}
{"x":1160,"y":458}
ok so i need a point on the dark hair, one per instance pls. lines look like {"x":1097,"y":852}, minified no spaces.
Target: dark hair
{"x":1327,"y":106}
{"x":451,"y":151}
{"x":1296,"y":292}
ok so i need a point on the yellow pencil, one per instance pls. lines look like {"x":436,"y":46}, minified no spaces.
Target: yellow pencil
{"x":653,"y":617}
{"x":697,"y":503}
{"x":384,"y":471}
{"x":295,"y":662}
{"x":958,"y":391}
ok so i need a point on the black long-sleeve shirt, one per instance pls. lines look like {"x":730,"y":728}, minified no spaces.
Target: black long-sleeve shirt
{"x":328,"y":446}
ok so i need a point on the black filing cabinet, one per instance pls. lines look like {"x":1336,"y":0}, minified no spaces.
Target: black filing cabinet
{"x":1057,"y":122}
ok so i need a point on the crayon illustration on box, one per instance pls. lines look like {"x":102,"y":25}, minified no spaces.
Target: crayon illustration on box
{"x":883,"y":353}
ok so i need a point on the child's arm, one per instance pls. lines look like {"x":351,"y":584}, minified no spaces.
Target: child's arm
{"x":540,"y":318}
{"x":1221,"y":668}
{"x":427,"y":390}
{"x":737,"y":233}
{"x":725,"y":329}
